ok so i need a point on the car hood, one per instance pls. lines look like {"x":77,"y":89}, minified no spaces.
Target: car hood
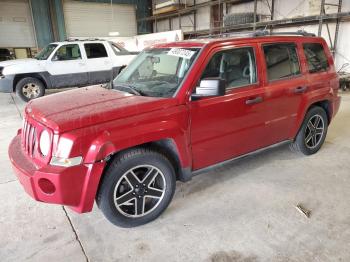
{"x":17,"y":61}
{"x":88,"y":106}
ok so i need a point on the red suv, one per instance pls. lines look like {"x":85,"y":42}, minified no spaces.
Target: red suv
{"x":176,"y":110}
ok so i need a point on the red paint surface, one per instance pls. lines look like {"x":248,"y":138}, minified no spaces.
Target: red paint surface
{"x":99,"y":122}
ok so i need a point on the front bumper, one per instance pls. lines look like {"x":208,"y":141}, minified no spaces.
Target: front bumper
{"x":71,"y":186}
{"x":6,"y":83}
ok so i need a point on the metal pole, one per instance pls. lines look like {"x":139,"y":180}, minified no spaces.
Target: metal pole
{"x":272,"y":9}
{"x":337,"y":29}
{"x":194,"y":18}
{"x":321,"y":18}
{"x":272,"y":12}
{"x":255,"y":7}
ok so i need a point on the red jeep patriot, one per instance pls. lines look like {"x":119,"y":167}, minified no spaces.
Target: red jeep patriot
{"x":177,"y":109}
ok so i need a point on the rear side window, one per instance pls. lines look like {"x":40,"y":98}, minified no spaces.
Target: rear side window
{"x":95,"y":50}
{"x":281,"y":60}
{"x":316,"y":57}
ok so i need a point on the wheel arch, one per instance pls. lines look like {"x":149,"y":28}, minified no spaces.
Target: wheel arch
{"x":165,"y":146}
{"x":39,"y":76}
{"x":326,"y":105}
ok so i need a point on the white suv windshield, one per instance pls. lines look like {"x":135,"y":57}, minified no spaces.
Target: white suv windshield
{"x":46,"y":52}
{"x":157,"y":72}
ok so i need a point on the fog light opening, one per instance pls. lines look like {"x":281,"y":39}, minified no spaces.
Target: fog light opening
{"x":46,"y":186}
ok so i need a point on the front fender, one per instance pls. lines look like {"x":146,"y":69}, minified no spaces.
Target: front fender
{"x":142,"y":129}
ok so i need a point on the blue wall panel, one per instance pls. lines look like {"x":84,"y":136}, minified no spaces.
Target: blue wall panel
{"x":61,"y":27}
{"x":42,"y":22}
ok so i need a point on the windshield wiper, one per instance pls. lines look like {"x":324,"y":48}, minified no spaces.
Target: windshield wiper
{"x":129,"y":89}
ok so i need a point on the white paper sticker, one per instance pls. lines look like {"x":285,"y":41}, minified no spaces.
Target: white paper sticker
{"x":184,"y":53}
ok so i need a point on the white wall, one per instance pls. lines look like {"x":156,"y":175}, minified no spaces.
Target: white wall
{"x":16,"y":26}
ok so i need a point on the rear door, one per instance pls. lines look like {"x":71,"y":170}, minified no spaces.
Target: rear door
{"x":234,"y":124}
{"x":67,"y":67}
{"x":99,"y":64}
{"x":285,"y":85}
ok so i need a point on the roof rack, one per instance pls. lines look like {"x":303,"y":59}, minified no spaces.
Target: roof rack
{"x":86,"y":39}
{"x":257,"y":34}
{"x":230,"y":34}
{"x":299,"y":32}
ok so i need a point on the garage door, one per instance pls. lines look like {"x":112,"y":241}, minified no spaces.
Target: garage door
{"x":85,"y":19}
{"x":16,"y":27}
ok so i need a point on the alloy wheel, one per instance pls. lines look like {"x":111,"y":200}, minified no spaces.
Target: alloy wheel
{"x":139,"y":191}
{"x":31,"y":90}
{"x":314,"y":131}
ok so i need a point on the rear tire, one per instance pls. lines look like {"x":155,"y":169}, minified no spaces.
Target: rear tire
{"x":312,"y":133}
{"x":30,"y":88}
{"x":136,"y":188}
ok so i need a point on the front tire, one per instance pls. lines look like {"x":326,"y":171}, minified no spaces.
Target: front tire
{"x":30,"y":88}
{"x":312,"y":133}
{"x":136,"y":188}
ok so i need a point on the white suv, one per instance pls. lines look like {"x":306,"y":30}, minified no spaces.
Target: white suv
{"x":64,"y":64}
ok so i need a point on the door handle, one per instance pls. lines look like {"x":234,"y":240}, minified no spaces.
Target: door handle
{"x":300,"y":89}
{"x":254,"y":100}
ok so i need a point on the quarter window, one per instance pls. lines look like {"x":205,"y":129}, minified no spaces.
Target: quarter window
{"x":316,"y":57}
{"x":68,"y":52}
{"x":236,"y":66}
{"x":281,"y":61}
{"x":95,"y":50}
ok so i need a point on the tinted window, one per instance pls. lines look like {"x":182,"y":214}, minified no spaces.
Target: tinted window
{"x":68,"y":52}
{"x":316,"y":57}
{"x":95,"y":50}
{"x":281,"y":61}
{"x":236,"y":66}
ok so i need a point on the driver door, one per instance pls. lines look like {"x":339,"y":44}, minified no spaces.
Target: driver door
{"x":225,"y":127}
{"x":67,"y":67}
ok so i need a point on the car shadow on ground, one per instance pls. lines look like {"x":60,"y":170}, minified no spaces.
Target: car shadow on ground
{"x":239,"y":167}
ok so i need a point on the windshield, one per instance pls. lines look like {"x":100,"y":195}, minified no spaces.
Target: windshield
{"x":157,"y":72}
{"x":46,"y":52}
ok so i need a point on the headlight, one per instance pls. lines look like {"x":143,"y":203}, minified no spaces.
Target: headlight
{"x":44,"y":143}
{"x":66,"y":162}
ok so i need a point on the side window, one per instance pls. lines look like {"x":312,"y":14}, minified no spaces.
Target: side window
{"x":316,"y":57}
{"x":68,"y":52}
{"x":95,"y":50}
{"x":281,"y":61}
{"x":236,"y":66}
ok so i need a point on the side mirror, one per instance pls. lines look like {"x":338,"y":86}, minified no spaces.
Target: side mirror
{"x":57,"y":57}
{"x":210,"y":87}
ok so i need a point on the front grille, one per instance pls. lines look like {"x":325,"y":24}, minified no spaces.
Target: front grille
{"x":29,"y":138}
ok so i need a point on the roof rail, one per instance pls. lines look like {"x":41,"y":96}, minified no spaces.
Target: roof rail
{"x":229,"y":34}
{"x":299,"y":32}
{"x":256,"y":34}
{"x":86,"y":39}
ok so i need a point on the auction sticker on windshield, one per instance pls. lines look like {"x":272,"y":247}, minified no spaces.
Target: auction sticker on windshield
{"x":183,"y":53}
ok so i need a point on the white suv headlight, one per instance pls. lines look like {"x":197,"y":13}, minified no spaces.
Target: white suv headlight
{"x":44,"y":143}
